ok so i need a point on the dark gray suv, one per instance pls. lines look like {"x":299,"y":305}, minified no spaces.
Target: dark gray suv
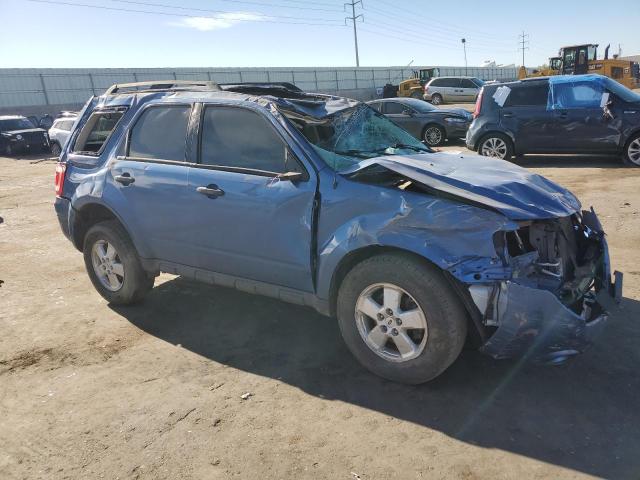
{"x":560,"y":114}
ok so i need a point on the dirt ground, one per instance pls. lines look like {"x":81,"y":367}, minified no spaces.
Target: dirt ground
{"x":154,"y":391}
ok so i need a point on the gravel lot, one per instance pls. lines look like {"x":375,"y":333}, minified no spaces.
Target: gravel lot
{"x":154,"y":391}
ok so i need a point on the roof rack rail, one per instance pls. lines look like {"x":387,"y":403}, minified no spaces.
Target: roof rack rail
{"x":162,"y":85}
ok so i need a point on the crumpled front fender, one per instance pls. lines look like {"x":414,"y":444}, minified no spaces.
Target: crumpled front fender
{"x":456,"y":237}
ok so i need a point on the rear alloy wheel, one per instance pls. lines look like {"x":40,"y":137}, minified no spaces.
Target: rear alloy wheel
{"x":55,"y":149}
{"x":632,"y":153}
{"x":113,"y":264}
{"x":496,"y":146}
{"x":436,"y":99}
{"x":434,"y":135}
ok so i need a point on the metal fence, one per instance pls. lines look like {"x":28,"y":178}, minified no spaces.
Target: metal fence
{"x":43,"y":87}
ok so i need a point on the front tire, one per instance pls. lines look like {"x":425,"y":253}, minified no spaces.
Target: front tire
{"x":400,"y":318}
{"x":434,"y":135}
{"x":113,"y":264}
{"x":496,"y":145}
{"x":632,"y":151}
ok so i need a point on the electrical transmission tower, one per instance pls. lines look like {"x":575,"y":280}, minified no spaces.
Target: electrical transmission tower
{"x":354,"y":18}
{"x":524,"y":44}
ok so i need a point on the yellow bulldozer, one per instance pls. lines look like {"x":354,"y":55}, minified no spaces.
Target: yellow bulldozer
{"x":580,"y":59}
{"x":414,"y":86}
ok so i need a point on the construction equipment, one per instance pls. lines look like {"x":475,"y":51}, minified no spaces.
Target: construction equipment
{"x":414,"y":86}
{"x":581,"y":59}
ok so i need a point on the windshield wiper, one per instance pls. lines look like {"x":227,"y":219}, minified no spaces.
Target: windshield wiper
{"x":411,"y":147}
{"x":355,"y":153}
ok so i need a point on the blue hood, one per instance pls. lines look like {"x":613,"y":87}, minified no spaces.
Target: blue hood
{"x":497,"y":184}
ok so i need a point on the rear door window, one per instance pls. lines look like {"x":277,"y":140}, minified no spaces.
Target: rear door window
{"x":466,"y":83}
{"x":377,"y":106}
{"x":451,"y":82}
{"x":96,"y":132}
{"x":240,"y":138}
{"x":394,"y":108}
{"x":531,"y":95}
{"x":161,"y":133}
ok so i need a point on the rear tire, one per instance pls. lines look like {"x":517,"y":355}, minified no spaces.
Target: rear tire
{"x":8,"y":151}
{"x":426,"y":342}
{"x":417,"y":95}
{"x":496,"y":145}
{"x":631,"y":154}
{"x":436,"y":99}
{"x":113,"y":264}
{"x":434,"y":135}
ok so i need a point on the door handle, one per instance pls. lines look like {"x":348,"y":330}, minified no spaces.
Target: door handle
{"x":507,"y":114}
{"x":211,"y":191}
{"x":125,"y":179}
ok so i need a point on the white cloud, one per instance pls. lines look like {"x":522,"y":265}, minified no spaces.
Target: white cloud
{"x":224,"y":20}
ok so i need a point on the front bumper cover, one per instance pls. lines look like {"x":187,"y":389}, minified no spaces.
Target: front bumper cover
{"x":537,"y":325}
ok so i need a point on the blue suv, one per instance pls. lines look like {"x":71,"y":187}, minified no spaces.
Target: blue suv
{"x":322,"y":201}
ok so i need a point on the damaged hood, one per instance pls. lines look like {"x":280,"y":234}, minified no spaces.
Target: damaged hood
{"x":497,"y":184}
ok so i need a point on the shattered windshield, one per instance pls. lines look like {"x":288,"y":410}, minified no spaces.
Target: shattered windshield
{"x":354,"y":134}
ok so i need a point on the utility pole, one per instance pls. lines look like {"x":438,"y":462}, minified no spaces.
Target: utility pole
{"x":464,"y":47}
{"x":524,"y":42}
{"x":353,"y":18}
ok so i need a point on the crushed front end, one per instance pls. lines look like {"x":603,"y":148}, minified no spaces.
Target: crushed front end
{"x":552,"y":291}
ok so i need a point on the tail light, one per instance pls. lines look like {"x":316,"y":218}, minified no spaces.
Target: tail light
{"x":478,"y":108}
{"x":426,"y":89}
{"x":61,"y":169}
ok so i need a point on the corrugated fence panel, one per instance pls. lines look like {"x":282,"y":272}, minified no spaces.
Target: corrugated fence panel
{"x":47,"y":86}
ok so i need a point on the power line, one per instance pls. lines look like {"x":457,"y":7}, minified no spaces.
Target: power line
{"x":194,"y":9}
{"x":435,"y":24}
{"x":523,"y":44}
{"x":260,"y":19}
{"x":247,"y":2}
{"x":354,"y":18}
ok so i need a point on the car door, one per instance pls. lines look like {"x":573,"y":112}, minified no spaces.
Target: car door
{"x":246,"y":219}
{"x":455,"y":94}
{"x":148,"y":183}
{"x":404,"y":116}
{"x":469,"y":90}
{"x":526,"y":116}
{"x":579,"y":119}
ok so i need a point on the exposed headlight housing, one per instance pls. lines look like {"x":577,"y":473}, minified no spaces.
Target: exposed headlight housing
{"x":455,"y":120}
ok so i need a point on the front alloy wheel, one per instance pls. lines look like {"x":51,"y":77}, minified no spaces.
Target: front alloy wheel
{"x":434,"y":136}
{"x":391,"y":323}
{"x":400,"y":317}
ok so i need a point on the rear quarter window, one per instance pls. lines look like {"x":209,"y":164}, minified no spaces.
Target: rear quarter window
{"x":530,"y":95}
{"x":96,"y":132}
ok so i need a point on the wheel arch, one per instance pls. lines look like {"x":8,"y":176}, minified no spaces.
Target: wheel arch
{"x":87,"y":216}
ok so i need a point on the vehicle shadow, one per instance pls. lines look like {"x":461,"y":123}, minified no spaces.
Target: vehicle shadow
{"x":583,"y":416}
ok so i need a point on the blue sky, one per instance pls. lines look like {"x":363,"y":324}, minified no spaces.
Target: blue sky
{"x":255,"y":33}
